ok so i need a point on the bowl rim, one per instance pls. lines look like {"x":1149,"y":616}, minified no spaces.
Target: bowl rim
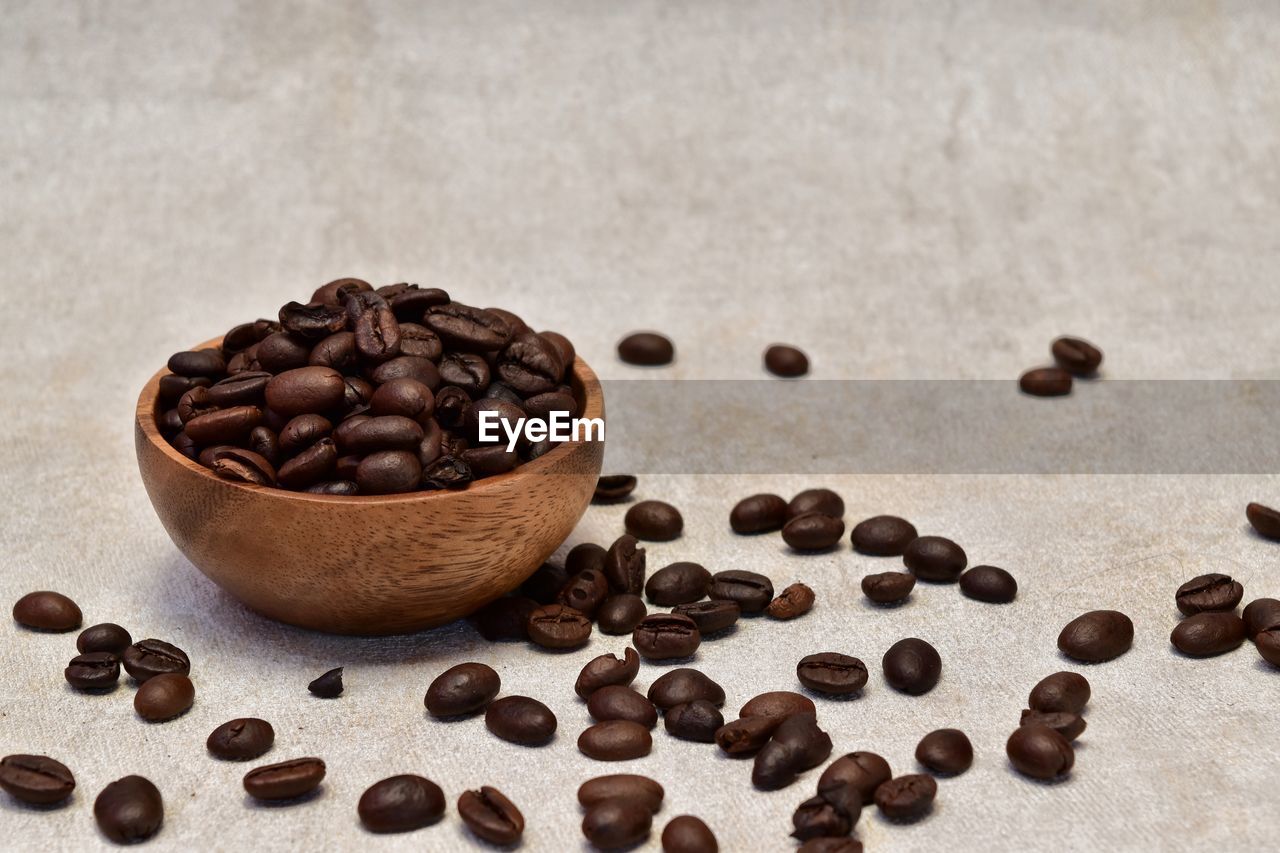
{"x":145,"y":423}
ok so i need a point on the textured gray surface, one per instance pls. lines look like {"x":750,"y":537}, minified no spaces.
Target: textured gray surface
{"x":934,"y":190}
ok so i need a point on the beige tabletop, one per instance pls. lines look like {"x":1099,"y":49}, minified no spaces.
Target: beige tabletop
{"x":906,"y":190}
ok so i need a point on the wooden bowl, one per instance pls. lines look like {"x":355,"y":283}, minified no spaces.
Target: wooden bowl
{"x":377,"y":564}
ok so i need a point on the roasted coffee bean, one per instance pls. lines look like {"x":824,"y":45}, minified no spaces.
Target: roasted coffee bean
{"x":172,"y":387}
{"x":624,"y":565}
{"x":615,"y":740}
{"x":607,"y":670}
{"x":244,"y":335}
{"x":505,"y":618}
{"x":285,"y":780}
{"x":243,"y":466}
{"x":264,"y":442}
{"x":309,"y":467}
{"x":906,"y":798}
{"x":241,"y":739}
{"x":184,"y":445}
{"x":1062,"y":691}
{"x":47,"y":611}
{"x":785,"y":361}
{"x":202,"y":362}
{"x":1069,"y":725}
{"x":830,"y":845}
{"x":491,"y":816}
{"x":544,"y":585}
{"x":711,"y":617}
{"x":282,"y":351}
{"x":107,"y":637}
{"x":466,"y":328}
{"x":989,"y":583}
{"x":946,"y":751}
{"x":413,"y":302}
{"x":1076,"y":356}
{"x":225,"y":426}
{"x":751,"y":591}
{"x":935,"y":558}
{"x":164,"y":697}
{"x":93,"y":671}
{"x":912,"y":666}
{"x":453,"y":407}
{"x":761,"y":513}
{"x":210,"y":454}
{"x":1264,"y":519}
{"x":696,"y":721}
{"x":746,"y":735}
{"x":520,"y":720}
{"x":688,"y":834}
{"x":664,"y":636}
{"x":585,"y":592}
{"x":377,"y":333}
{"x":1210,"y":592}
{"x":587,"y":555}
{"x":678,"y":583}
{"x":401,"y":804}
{"x":778,"y":704}
{"x":883,"y":536}
{"x":1040,"y":752}
{"x":389,"y":472}
{"x":462,"y":689}
{"x":864,"y":772}
{"x":1045,"y":382}
{"x":545,"y":405}
{"x":621,"y":613}
{"x":615,"y":824}
{"x":334,"y":487}
{"x":501,"y":416}
{"x":312,"y":322}
{"x":305,"y":390}
{"x":563,"y":347}
{"x":465,"y":370}
{"x":447,"y":472}
{"x":648,"y":349}
{"x":337,"y":351}
{"x":406,"y":398}
{"x":302,"y":432}
{"x":794,"y":601}
{"x":170,"y":423}
{"x":1207,"y":634}
{"x":817,"y":817}
{"x":337,"y":291}
{"x":613,"y":488}
{"x":328,"y":685}
{"x":627,"y":787}
{"x":555,"y":626}
{"x":813,"y":531}
{"x":888,"y":587}
{"x":832,"y":673}
{"x":149,"y":658}
{"x":530,"y":365}
{"x":369,"y":435}
{"x":654,"y":521}
{"x":129,"y":810}
{"x":356,"y":394}
{"x":36,"y":779}
{"x":824,"y":501}
{"x":1267,"y":642}
{"x":243,"y":389}
{"x":1261,"y":614}
{"x":194,"y":403}
{"x":1097,"y":636}
{"x":684,"y":685}
{"x":408,"y":367}
{"x":619,"y":702}
{"x":797,"y":745}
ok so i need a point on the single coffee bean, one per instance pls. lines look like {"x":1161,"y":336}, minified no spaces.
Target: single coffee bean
{"x":555,"y":626}
{"x":906,"y":798}
{"x":406,"y":398}
{"x":946,"y":751}
{"x":93,"y":671}
{"x":334,"y":487}
{"x":243,"y":389}
{"x":818,"y":817}
{"x":711,"y":617}
{"x":1208,"y":634}
{"x":264,"y":442}
{"x":1045,"y":382}
{"x":47,"y":611}
{"x":619,"y":702}
{"x":813,"y":531}
{"x":648,"y":349}
{"x":688,"y":834}
{"x":520,"y":720}
{"x":491,"y":460}
{"x":282,"y":351}
{"x":309,"y":467}
{"x":989,"y":583}
{"x":285,"y":780}
{"x":164,"y":697}
{"x":1097,"y":636}
{"x":586,"y":555}
{"x":1062,"y":691}
{"x":664,"y":636}
{"x":864,"y":772}
{"x":530,"y":365}
{"x":1069,"y":725}
{"x":447,"y":472}
{"x":148,"y":658}
{"x":491,"y":816}
{"x":377,"y":333}
{"x":505,"y":618}
{"x":935,"y":558}
{"x":462,"y":689}
{"x":684,"y":685}
{"x":761,"y":513}
{"x":615,"y":740}
{"x":613,"y":488}
{"x":328,"y":685}
{"x":389,"y":472}
{"x":607,"y":670}
{"x":170,"y":422}
{"x":830,"y":845}
{"x":883,"y":536}
{"x":1264,"y":519}
{"x":129,"y":810}
{"x":832,"y":673}
{"x":36,"y":779}
{"x":794,"y":601}
{"x":912,"y":666}
{"x":627,"y":787}
{"x":751,"y":591}
{"x":1267,"y":642}
{"x":785,"y":361}
{"x":411,"y":367}
{"x":678,"y":583}
{"x":615,"y":824}
{"x":585,"y":592}
{"x":203,"y":362}
{"x":173,"y":386}
{"x":696,"y":721}
{"x":1210,"y":592}
{"x":1076,"y":356}
{"x":544,"y":585}
{"x":224,"y":426}
{"x":337,"y":351}
{"x":746,"y":735}
{"x":888,"y":587}
{"x":467,"y":371}
{"x":1040,"y":752}
{"x":313,"y":321}
{"x":303,"y":431}
{"x":413,"y":302}
{"x":241,"y":739}
{"x":305,"y":390}
{"x":401,"y":804}
{"x":654,"y":521}
{"x":778,"y":704}
{"x":824,"y":501}
{"x":468,"y":329}
{"x":563,"y":346}
{"x":797,"y":745}
{"x":244,"y":466}
{"x":621,"y":613}
{"x":336,"y":291}
{"x":624,"y":565}
{"x":387,"y":432}
{"x":1261,"y":614}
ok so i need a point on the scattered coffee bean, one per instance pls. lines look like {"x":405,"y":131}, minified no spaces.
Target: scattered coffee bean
{"x":794,"y":601}
{"x":711,"y":617}
{"x":1046,"y":382}
{"x":93,"y":671}
{"x":327,"y":686}
{"x":818,"y":817}
{"x":813,"y":531}
{"x":778,"y":704}
{"x":520,"y":720}
{"x":935,"y":558}
{"x":106,"y":637}
{"x":912,"y":666}
{"x":695,"y":721}
{"x":619,"y":702}
{"x":148,"y":658}
{"x":888,"y":587}
{"x":762,"y":513}
{"x":1261,"y":614}
{"x":621,"y":613}
{"x":991,"y":584}
{"x":491,"y":816}
{"x":129,"y":810}
{"x":613,"y":488}
{"x":678,"y":583}
{"x":558,"y":627}
{"x":883,"y":536}
{"x":863,"y":771}
{"x":585,"y":592}
{"x":1062,"y":691}
{"x":688,"y":834}
{"x":654,"y":521}
{"x":830,"y":845}
{"x":1069,"y":725}
{"x":164,"y":697}
{"x":1040,"y":752}
{"x":797,"y":745}
{"x":785,"y":361}
{"x":663,"y":636}
{"x":615,"y":824}
{"x":1076,"y":356}
{"x":615,"y":740}
{"x":624,"y":565}
{"x":586,"y":555}
{"x":945,"y":751}
{"x":36,"y":779}
{"x":824,"y":501}
{"x":401,"y":804}
{"x":640,"y":790}
{"x":544,"y":585}
{"x":285,"y":780}
{"x":47,"y":611}
{"x":746,"y":735}
{"x":648,"y":349}
{"x":1208,"y":634}
{"x":1264,"y":519}
{"x":462,"y":689}
{"x":1210,"y":592}
{"x":505,"y":619}
{"x":751,"y":591}
{"x":1096,"y":636}
{"x":241,"y":739}
{"x":1268,"y":644}
{"x":832,"y":673}
{"x":684,"y":685}
{"x":906,"y":798}
{"x":607,"y":670}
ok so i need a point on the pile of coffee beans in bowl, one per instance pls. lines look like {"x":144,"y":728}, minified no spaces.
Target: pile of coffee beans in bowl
{"x":365,"y":391}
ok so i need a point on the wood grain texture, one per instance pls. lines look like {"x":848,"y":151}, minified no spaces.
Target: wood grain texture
{"x":378,"y":564}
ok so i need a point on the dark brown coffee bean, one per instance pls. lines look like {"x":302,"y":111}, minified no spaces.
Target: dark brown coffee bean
{"x":491,"y":816}
{"x":946,"y":751}
{"x":624,"y":565}
{"x":203,"y":362}
{"x":1076,"y":356}
{"x":1261,"y":614}
{"x":1046,"y":382}
{"x":688,"y":834}
{"x":586,"y":555}
{"x":225,"y":426}
{"x":148,"y":658}
{"x":621,"y":613}
{"x":794,"y":601}
{"x":664,"y":636}
{"x":312,"y":322}
{"x":306,"y":390}
{"x":337,"y":291}
{"x":648,"y":349}
{"x":337,"y":351}
{"x":696,"y":721}
{"x":615,"y":740}
{"x":544,"y":585}
{"x":129,"y":810}
{"x":303,"y":431}
{"x":173,"y":386}
{"x":625,"y":787}
{"x":328,"y":685}
{"x":1267,"y":642}
{"x":883,"y":536}
{"x":195,"y":403}
{"x":785,"y":361}
{"x":462,"y":689}
{"x":285,"y":780}
{"x":184,"y":445}
{"x":1069,"y":725}
{"x":264,"y":442}
{"x":678,"y":583}
{"x":746,"y":735}
{"x":824,"y":501}
{"x":555,"y":626}
{"x":989,"y":583}
{"x":1264,"y":519}
{"x":1097,"y":636}
{"x":615,"y":824}
{"x":93,"y":671}
{"x":711,"y":617}
{"x":467,"y":371}
{"x":505,"y":618}
{"x":654,"y":521}
{"x":751,"y":591}
{"x":243,"y":389}
{"x":832,"y":673}
{"x":1062,"y":691}
{"x":244,"y":466}
{"x":864,"y":772}
{"x":282,"y":351}
{"x":377,"y":333}
{"x":620,"y":702}
{"x":607,"y":670}
{"x":356,"y":394}
{"x":387,"y":432}
{"x":530,"y":365}
{"x":413,"y":302}
{"x":164,"y":697}
{"x":935,"y":558}
{"x":107,"y":637}
{"x":817,"y":817}
{"x":36,"y":779}
{"x":563,"y":347}
{"x":1209,"y":593}
{"x":797,"y":745}
{"x":912,"y":666}
{"x":408,"y":367}
{"x":466,"y":328}
{"x":241,"y":739}
{"x":309,"y":467}
{"x":406,"y":398}
{"x":684,"y":685}
{"x":334,"y":487}
{"x":906,"y":798}
{"x":888,"y":587}
{"x":389,"y":472}
{"x":1208,"y":634}
{"x":1040,"y":752}
{"x":779,"y":704}
{"x":813,"y":531}
{"x":520,"y":720}
{"x":761,"y":513}
{"x":170,"y":422}
{"x":613,"y":488}
{"x":585,"y":592}
{"x":401,"y":804}
{"x":47,"y":611}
